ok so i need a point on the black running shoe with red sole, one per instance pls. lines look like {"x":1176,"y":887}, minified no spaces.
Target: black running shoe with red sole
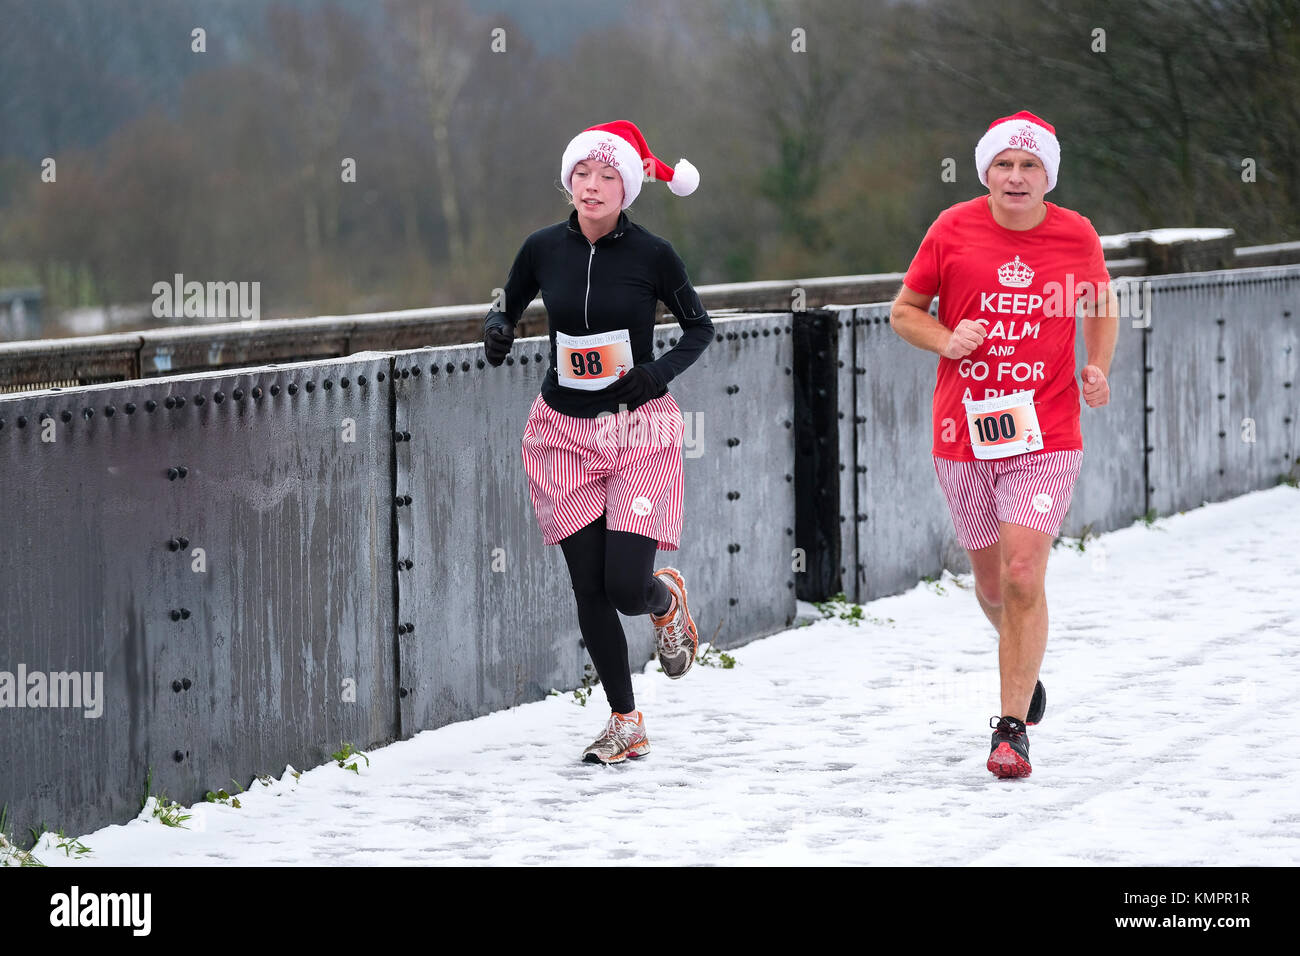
{"x":1009,"y":755}
{"x":1037,"y":706}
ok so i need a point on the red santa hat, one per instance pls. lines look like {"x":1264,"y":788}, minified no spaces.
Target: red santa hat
{"x":1025,"y":131}
{"x":622,"y":146}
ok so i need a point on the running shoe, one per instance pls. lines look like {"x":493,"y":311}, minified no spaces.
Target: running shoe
{"x":1037,"y":706}
{"x":624,"y":737}
{"x":1009,"y":756}
{"x":675,"y":638}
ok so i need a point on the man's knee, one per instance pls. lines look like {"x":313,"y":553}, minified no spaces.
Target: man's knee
{"x":989,"y":592}
{"x":1022,"y":578}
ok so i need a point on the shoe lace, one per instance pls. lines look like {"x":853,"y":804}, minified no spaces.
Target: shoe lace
{"x":620,"y":729}
{"x":1004,"y":726}
{"x":671,"y":632}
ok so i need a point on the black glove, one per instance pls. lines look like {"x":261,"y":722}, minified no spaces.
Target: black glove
{"x":635,"y":388}
{"x":496,"y":344}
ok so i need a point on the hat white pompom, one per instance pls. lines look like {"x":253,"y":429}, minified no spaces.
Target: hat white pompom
{"x":685,"y":178}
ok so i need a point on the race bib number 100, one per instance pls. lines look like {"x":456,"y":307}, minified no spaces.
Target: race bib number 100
{"x":592,"y":362}
{"x":1005,"y":426}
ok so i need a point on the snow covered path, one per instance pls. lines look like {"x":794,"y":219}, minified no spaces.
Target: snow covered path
{"x":1173,"y":678}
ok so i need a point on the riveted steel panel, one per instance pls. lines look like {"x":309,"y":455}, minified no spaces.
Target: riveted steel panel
{"x":1109,"y":493}
{"x":238,"y":614}
{"x":1223,"y":420}
{"x":904,"y":528}
{"x":737,"y":553}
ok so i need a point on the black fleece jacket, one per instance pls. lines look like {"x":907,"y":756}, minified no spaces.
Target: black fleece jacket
{"x":613,"y":284}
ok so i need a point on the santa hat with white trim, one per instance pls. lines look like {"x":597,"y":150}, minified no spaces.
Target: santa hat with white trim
{"x":1025,"y":131}
{"x":622,"y":146}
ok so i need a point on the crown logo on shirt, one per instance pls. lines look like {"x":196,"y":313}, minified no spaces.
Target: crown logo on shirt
{"x":1016,"y":274}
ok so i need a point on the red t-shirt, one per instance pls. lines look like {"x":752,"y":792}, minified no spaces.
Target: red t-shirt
{"x":1024,"y":286}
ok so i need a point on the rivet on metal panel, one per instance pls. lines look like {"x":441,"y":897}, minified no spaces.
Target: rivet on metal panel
{"x":343,"y":383}
{"x":766,"y":333}
{"x":168,"y":402}
{"x":2,"y":423}
{"x":1286,"y":384}
{"x":130,"y":408}
{"x":399,"y":502}
{"x":175,"y":615}
{"x":481,"y":364}
{"x":172,"y":474}
{"x":310,"y":385}
{"x":841,"y":415}
{"x":842,"y":466}
{"x":537,"y":357}
{"x":237,"y":394}
{"x":198,"y":400}
{"x":176,"y":686}
{"x":292,"y":389}
{"x":1287,"y":420}
{"x":1150,"y":409}
{"x":1150,"y":489}
{"x":859,"y":419}
{"x":789,"y":478}
{"x":789,"y":531}
{"x":1218,"y":321}
{"x":1220,"y":471}
{"x":406,"y":436}
{"x":361,"y":380}
{"x":789,"y":585}
{"x":108,"y":411}
{"x":1220,"y":358}
{"x":1221,"y":396}
{"x":787,"y":329}
{"x":67,"y":415}
{"x":733,"y":601}
{"x":744,"y":335}
{"x":22,"y":421}
{"x":787,"y":371}
{"x":862,"y":469}
{"x":401,"y":691}
{"x":180,"y":401}
{"x":257,"y":391}
{"x":409,"y":564}
{"x":397,"y":437}
{"x":415,"y":370}
{"x":186,"y":683}
{"x":510,"y":360}
{"x":183,"y":541}
{"x":407,"y":499}
{"x":1149,"y":369}
{"x":173,"y":544}
{"x":861,"y":517}
{"x":523,"y":360}
{"x":1223,"y":434}
{"x":379,"y":376}
{"x":275,"y":390}
{"x":178,"y":755}
{"x":718,"y":337}
{"x":404,"y":373}
{"x":786,"y":423}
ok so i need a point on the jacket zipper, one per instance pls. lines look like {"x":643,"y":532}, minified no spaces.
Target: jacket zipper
{"x":587,"y":297}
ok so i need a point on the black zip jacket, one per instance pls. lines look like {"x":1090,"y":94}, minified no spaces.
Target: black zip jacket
{"x":613,"y":284}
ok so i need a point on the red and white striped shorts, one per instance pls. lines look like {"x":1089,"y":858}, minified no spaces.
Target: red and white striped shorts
{"x":627,"y":466}
{"x":1032,"y":490}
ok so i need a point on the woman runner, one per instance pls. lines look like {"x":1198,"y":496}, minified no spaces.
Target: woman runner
{"x":602,"y":447}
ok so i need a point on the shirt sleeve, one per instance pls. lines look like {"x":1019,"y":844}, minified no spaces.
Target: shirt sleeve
{"x":520,"y":289}
{"x":923,"y":274}
{"x":674,"y":289}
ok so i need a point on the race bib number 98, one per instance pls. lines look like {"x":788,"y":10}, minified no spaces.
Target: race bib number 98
{"x":1005,"y":426}
{"x":592,"y":362}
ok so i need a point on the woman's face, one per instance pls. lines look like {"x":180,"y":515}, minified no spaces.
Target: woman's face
{"x":597,"y":190}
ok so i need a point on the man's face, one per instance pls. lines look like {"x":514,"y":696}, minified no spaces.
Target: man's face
{"x":1017,"y":180}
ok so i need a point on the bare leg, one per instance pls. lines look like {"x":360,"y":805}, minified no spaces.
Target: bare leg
{"x":986,"y":563}
{"x":1024,"y":614}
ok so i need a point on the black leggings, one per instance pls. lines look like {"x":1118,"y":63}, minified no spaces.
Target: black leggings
{"x":612,"y":571}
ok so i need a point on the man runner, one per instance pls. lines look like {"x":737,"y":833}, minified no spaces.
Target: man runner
{"x":1011,"y":271}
